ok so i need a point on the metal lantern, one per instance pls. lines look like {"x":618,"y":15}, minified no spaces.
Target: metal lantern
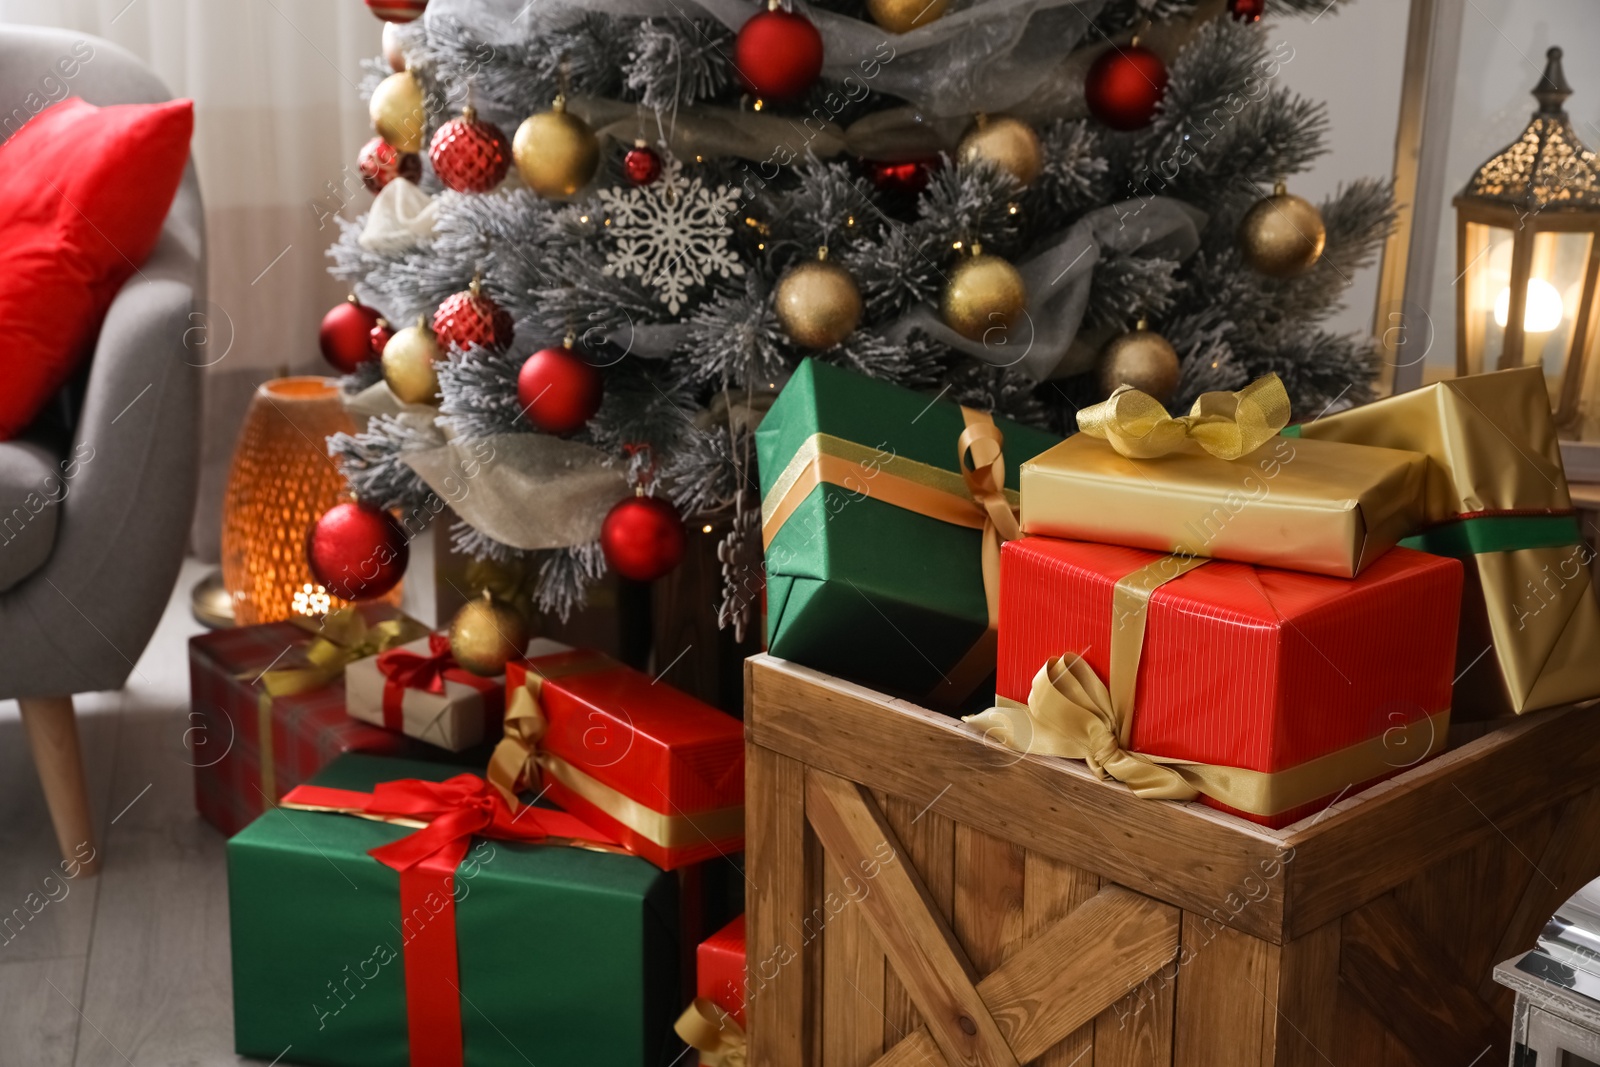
{"x":1527,"y":258}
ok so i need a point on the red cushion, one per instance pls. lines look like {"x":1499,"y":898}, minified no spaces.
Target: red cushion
{"x":84,"y":191}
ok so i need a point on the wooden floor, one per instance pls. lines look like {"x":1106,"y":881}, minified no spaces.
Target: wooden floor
{"x":129,"y":969}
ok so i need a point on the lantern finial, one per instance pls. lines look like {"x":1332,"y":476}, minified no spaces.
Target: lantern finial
{"x":1552,"y":90}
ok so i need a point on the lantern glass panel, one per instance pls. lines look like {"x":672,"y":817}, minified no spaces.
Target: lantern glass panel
{"x":1487,"y":255}
{"x":1550,"y":310}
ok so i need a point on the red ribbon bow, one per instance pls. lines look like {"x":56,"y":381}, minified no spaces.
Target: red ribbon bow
{"x":454,"y":811}
{"x":408,"y":670}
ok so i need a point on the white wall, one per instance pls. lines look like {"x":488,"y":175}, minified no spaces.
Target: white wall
{"x":1351,"y":58}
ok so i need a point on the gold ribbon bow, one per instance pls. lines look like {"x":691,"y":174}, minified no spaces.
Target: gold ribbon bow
{"x":1226,"y":425}
{"x":1071,"y":713}
{"x":343,"y":637}
{"x":712,"y":1032}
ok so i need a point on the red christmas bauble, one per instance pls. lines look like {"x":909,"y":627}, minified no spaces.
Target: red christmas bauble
{"x":381,"y":163}
{"x":642,"y":165}
{"x":1124,"y":86}
{"x":1247,"y":10}
{"x":470,"y":318}
{"x":470,"y":155}
{"x":907,"y":178}
{"x":558,"y":391}
{"x":380,"y":335}
{"x":642,"y":538}
{"x":357,"y":551}
{"x":397,"y":10}
{"x":778,"y":53}
{"x":346,"y":334}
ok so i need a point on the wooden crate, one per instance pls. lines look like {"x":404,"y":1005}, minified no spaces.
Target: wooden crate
{"x":917,"y":896}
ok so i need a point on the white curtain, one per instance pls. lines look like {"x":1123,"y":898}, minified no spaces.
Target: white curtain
{"x":278,"y":123}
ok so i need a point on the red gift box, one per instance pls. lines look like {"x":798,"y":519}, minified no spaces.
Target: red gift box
{"x":658,"y":770}
{"x":719,"y":969}
{"x":249,"y":748}
{"x":1301,"y":677}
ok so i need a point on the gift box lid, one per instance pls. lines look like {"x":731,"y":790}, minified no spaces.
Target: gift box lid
{"x":664,"y":748}
{"x":1241,"y":665}
{"x":719,"y":969}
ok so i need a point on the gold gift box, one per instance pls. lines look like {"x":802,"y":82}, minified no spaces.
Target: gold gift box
{"x":1497,"y":498}
{"x":1316,"y":506}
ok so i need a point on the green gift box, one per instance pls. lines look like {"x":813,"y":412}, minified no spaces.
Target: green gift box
{"x":563,"y":955}
{"x":877,"y":520}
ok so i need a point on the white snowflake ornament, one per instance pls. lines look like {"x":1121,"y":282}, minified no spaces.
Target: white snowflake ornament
{"x":673,"y":233}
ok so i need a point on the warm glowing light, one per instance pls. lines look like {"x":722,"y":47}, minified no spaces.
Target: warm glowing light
{"x":312,"y":600}
{"x":759,"y":104}
{"x":956,"y":245}
{"x":706,"y":528}
{"x":583,"y":218}
{"x":1542,"y":313}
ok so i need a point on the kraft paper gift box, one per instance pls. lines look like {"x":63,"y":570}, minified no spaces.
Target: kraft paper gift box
{"x":267,"y":706}
{"x":1219,"y":482}
{"x":1268,"y":692}
{"x":419,"y":690}
{"x":1497,"y":499}
{"x":875,"y":542}
{"x":658,"y":770}
{"x":501,"y":954}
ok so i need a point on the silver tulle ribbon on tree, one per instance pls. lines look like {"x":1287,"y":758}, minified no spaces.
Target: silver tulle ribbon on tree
{"x":530,"y":491}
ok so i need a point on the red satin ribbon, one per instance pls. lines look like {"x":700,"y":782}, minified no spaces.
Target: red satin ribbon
{"x":455,"y":811}
{"x":403,"y":669}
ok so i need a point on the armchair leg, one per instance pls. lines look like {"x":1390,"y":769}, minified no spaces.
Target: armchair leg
{"x":53,"y":736}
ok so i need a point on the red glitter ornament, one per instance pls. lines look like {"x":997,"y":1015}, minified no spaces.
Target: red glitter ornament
{"x":381,"y":163}
{"x":1247,"y":10}
{"x":642,"y":165}
{"x":1125,"y":86}
{"x":470,"y":318}
{"x":558,"y":391}
{"x":642,"y":538}
{"x":345,"y":334}
{"x":907,"y":178}
{"x":357,"y":551}
{"x":470,"y":155}
{"x":778,"y":53}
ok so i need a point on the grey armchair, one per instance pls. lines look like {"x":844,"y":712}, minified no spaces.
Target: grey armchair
{"x":95,"y":498}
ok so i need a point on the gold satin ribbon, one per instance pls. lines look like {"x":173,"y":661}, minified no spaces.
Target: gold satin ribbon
{"x":1071,"y":713}
{"x":975,"y":498}
{"x":713,"y":1033}
{"x":518,"y":759}
{"x":343,"y":636}
{"x":1226,"y":425}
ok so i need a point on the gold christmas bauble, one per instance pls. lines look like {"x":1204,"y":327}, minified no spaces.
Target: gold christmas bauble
{"x":486,"y":634}
{"x":1009,"y":142}
{"x":984,"y":298}
{"x":1281,"y":235}
{"x":397,"y":112}
{"x":408,"y":361}
{"x":817,"y":303}
{"x":899,"y":16}
{"x":1142,"y":359}
{"x":556,"y":152}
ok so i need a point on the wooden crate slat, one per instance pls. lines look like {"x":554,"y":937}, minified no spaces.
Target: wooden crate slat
{"x":1221,"y":1004}
{"x":1444,"y":806}
{"x":1414,"y":989}
{"x":928,"y":839}
{"x":1565,"y":865}
{"x":1051,"y":891}
{"x":852,"y":998}
{"x":1054,"y":807}
{"x":1136,"y":1031}
{"x":988,"y":918}
{"x":1070,"y":973}
{"x":780,"y":1006}
{"x":925,"y":953}
{"x":1298,"y":1027}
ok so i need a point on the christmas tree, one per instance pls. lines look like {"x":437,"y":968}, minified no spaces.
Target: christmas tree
{"x":1015,"y":204}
